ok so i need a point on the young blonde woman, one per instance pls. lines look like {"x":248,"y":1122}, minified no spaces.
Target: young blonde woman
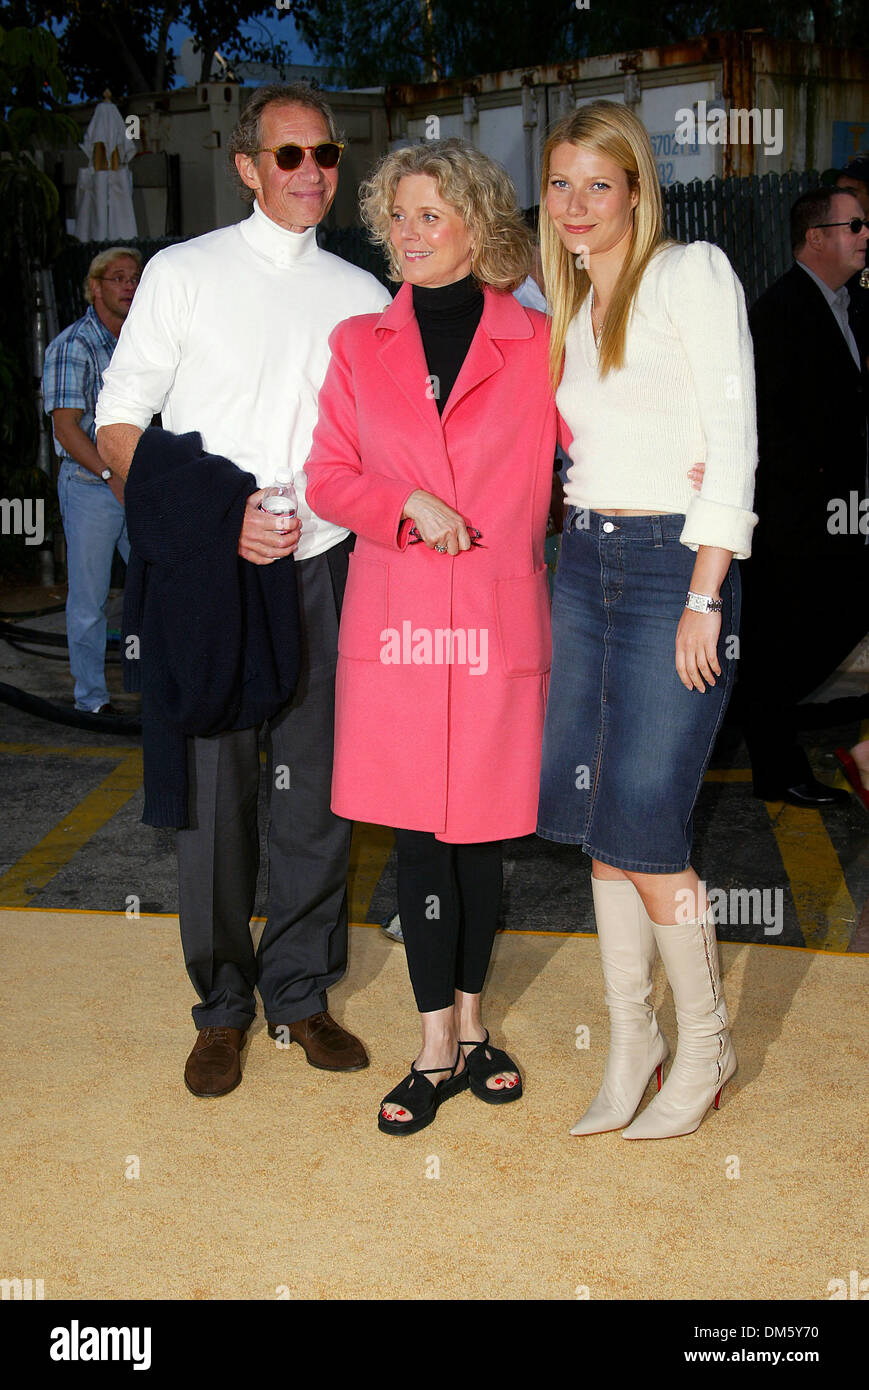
{"x":651,"y":355}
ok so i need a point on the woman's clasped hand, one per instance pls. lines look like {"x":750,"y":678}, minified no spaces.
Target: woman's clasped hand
{"x":437,"y":525}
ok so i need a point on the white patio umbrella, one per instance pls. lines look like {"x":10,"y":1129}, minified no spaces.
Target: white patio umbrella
{"x":104,"y":190}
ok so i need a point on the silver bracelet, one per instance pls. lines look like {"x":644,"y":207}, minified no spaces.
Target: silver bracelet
{"x":702,"y":603}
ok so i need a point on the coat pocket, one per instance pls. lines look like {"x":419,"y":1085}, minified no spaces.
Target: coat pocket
{"x":524,"y":629}
{"x":365,"y":610}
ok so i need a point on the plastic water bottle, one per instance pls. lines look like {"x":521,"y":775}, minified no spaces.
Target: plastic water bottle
{"x":280,"y":499}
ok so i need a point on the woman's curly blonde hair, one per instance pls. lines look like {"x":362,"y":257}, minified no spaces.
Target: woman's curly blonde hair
{"x":482,"y":194}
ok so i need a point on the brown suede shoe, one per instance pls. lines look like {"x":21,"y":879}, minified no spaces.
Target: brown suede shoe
{"x":213,"y":1067}
{"x":326,"y":1044}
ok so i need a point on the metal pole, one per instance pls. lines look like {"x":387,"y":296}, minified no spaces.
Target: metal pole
{"x":44,"y":454}
{"x":529,"y":127}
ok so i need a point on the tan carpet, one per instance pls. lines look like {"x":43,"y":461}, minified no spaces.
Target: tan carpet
{"x":286,"y":1185}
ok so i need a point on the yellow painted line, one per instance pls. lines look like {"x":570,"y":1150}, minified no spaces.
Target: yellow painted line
{"x":825,"y":909}
{"x":47,"y":750}
{"x":44,"y":750}
{"x":39,"y":866}
{"x":374,"y":926}
{"x":370,"y":848}
{"x":94,"y":912}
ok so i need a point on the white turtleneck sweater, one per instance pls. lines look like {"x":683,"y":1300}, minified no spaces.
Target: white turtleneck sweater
{"x":228,"y":335}
{"x":685,"y":395}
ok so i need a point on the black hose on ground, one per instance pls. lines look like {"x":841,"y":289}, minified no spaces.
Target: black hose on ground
{"x":124,"y":725}
{"x":13,"y":632}
{"x":48,"y":656}
{"x":33,"y":613}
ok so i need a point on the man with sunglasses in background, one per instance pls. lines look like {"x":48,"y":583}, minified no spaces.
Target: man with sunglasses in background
{"x":229,"y":338}
{"x":855,"y":179}
{"x":805,"y":586}
{"x":91,"y":499}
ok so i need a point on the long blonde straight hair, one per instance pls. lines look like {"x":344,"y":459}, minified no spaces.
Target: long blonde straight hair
{"x":614,"y":131}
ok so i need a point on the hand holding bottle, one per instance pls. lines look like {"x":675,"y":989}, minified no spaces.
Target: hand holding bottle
{"x":280,"y":500}
{"x":271,"y":528}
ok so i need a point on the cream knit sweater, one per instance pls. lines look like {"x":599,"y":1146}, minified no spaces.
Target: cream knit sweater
{"x":684,"y":395}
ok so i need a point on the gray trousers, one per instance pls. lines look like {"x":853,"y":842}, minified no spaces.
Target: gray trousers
{"x":303,"y":949}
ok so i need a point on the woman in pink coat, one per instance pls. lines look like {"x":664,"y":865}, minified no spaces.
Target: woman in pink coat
{"x":435,"y":444}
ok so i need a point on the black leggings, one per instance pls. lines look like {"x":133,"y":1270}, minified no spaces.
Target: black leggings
{"x":449,"y":898}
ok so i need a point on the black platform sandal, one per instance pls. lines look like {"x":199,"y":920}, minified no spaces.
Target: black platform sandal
{"x":416,"y":1088}
{"x":485,"y":1061}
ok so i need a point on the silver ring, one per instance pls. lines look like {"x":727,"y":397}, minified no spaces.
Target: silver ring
{"x":441,"y":549}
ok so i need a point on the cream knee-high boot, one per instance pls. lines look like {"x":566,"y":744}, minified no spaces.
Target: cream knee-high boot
{"x":637,"y":1047}
{"x":705,"y":1059}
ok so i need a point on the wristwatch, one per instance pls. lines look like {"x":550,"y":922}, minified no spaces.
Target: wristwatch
{"x":702,"y":603}
{"x":106,"y":475}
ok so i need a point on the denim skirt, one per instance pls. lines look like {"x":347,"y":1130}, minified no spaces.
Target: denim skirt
{"x":625,"y":745}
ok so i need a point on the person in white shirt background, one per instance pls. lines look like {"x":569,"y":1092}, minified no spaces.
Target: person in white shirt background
{"x":654,"y":343}
{"x":229,"y":337}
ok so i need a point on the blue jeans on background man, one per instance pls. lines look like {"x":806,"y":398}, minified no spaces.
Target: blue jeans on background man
{"x":94,"y":525}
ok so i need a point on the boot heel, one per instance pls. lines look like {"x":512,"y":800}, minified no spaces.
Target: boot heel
{"x":627,"y":953}
{"x":705,"y":1060}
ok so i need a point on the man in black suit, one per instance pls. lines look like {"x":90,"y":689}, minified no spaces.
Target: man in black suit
{"x":855,"y":178}
{"x":806,"y":587}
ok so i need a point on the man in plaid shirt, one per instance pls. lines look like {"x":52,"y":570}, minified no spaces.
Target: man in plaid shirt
{"x":91,"y":499}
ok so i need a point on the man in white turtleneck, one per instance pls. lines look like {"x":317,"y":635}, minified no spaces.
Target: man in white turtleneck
{"x":229,"y":338}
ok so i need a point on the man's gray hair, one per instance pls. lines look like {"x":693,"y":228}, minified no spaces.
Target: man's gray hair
{"x":247,"y":136}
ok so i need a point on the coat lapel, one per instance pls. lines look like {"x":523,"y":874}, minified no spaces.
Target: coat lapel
{"x":402,"y":355}
{"x":503,"y":317}
{"x":403,"y":359}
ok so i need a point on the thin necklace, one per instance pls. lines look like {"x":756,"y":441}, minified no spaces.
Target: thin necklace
{"x":596,"y":328}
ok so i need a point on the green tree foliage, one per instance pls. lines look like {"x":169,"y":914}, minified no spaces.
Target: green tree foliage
{"x":370,"y":42}
{"x":126,"y":45}
{"x":32,"y":87}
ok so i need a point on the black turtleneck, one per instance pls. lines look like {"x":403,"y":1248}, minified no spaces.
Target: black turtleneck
{"x":447,"y":318}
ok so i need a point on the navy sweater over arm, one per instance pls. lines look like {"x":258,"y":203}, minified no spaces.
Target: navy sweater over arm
{"x":211,"y":640}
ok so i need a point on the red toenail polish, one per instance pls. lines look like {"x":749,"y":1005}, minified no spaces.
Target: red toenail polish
{"x":400,"y":1112}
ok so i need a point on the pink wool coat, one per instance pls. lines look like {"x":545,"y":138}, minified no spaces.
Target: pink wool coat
{"x":442,"y":661}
